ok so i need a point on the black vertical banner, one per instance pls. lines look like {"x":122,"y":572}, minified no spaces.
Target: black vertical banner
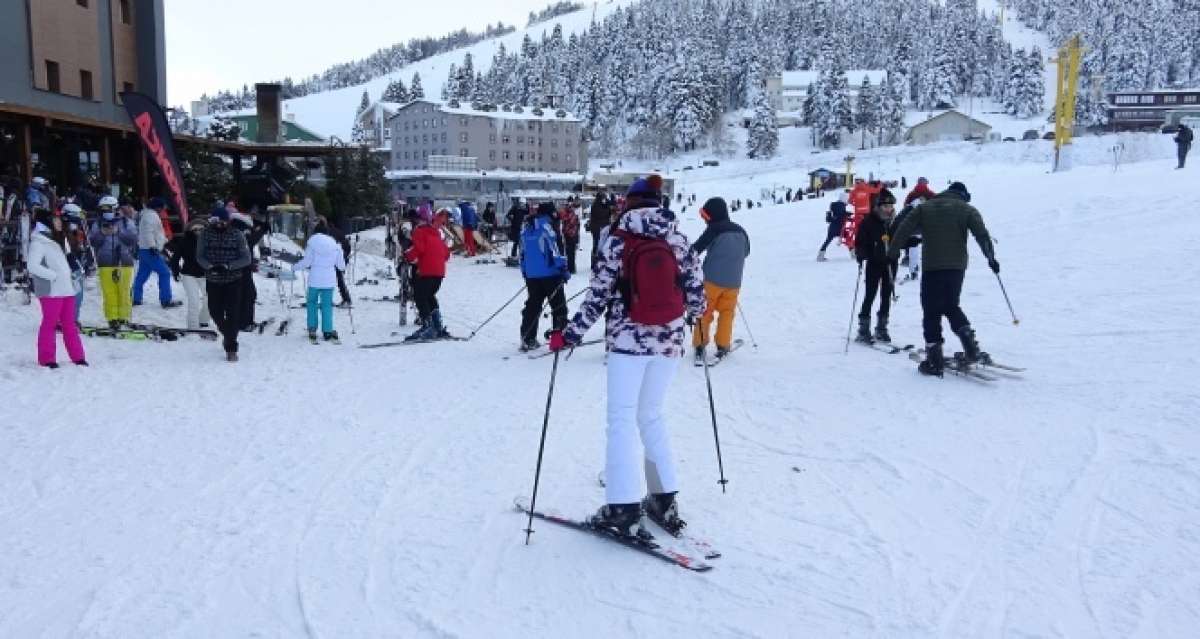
{"x":152,"y":128}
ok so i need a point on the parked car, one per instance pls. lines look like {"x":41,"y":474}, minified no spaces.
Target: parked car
{"x":1048,"y":136}
{"x":1030,"y":135}
{"x":1010,"y":139}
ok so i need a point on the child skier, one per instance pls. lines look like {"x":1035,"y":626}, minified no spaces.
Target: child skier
{"x":836,"y":218}
{"x":323,"y":258}
{"x":545,"y":270}
{"x":726,"y":246}
{"x":871,"y":247}
{"x":430,"y":254}
{"x":647,"y":284}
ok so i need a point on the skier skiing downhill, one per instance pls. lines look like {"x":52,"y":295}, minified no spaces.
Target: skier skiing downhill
{"x":726,"y":246}
{"x":545,"y":270}
{"x":871,"y":248}
{"x":429,"y":254}
{"x":647,"y":284}
{"x":836,"y":217}
{"x":945,"y":221}
{"x":323,"y":258}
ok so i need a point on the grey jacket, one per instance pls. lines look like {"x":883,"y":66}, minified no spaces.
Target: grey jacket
{"x":725,"y":246}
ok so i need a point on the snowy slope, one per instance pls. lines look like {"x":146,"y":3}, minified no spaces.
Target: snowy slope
{"x":331,"y":113}
{"x":336,"y":492}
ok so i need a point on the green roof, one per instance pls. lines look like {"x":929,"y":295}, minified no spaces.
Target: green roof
{"x":292,"y":132}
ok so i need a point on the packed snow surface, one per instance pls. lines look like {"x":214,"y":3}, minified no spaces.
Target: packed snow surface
{"x":326,"y":491}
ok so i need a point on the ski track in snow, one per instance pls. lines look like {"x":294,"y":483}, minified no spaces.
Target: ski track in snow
{"x":330,"y":491}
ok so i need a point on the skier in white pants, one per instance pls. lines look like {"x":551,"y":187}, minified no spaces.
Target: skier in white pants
{"x":642,"y":251}
{"x":186,"y":270}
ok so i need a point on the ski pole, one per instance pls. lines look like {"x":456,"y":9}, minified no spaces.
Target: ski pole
{"x":892,"y":278}
{"x":745,"y":321}
{"x":577,"y":294}
{"x":850,"y":326}
{"x":350,"y":308}
{"x":1016,"y":322}
{"x":712,"y":409}
{"x":537,"y":473}
{"x":498,"y":311}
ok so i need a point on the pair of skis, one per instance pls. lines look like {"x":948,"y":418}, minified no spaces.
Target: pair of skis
{"x":985,"y":371}
{"x":694,"y":554}
{"x":410,"y":342}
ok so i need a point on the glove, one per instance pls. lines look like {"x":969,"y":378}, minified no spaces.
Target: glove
{"x":558,"y":342}
{"x":994,"y":265}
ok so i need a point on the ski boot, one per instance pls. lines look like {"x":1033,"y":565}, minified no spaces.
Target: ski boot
{"x":722,"y":351}
{"x":662,"y":510}
{"x":621,"y":520}
{"x":699,"y":356}
{"x":231,"y":356}
{"x":439,"y":329}
{"x":821,"y":256}
{"x":864,"y":331}
{"x":172,"y":304}
{"x":935,"y":363}
{"x":332,"y":336}
{"x":114,"y":324}
{"x":971,"y":352}
{"x":530,"y":345}
{"x":881,"y":331}
{"x":426,"y":332}
{"x":312,"y":335}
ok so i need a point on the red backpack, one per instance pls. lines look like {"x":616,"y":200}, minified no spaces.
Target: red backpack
{"x":650,"y":280}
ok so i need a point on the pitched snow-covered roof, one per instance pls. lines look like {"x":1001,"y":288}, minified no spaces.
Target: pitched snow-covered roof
{"x":801,"y":79}
{"x":949,"y":113}
{"x":527,"y":113}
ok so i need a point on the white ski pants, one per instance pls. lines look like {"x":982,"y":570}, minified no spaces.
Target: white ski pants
{"x":197,"y":304}
{"x":637,"y":386}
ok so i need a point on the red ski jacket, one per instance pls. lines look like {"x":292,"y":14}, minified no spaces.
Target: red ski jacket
{"x":428,"y":252}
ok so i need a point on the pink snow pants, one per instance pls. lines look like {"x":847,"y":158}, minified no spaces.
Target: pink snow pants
{"x":58,"y":311}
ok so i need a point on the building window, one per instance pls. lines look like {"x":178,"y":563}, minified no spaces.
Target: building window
{"x":127,"y":87}
{"x":567,"y":143}
{"x":1147,"y":99}
{"x":443,"y":138}
{"x":492,"y":155}
{"x":507,"y":156}
{"x":553,"y":157}
{"x":443,"y":121}
{"x":506,"y":140}
{"x":463,"y":120}
{"x":492,"y":138}
{"x":424,"y":124}
{"x":126,"y":15}
{"x":520,"y":139}
{"x":462,"y":137}
{"x":425,"y":138}
{"x":387,"y":134}
{"x":1189,"y":99}
{"x":52,"y":76}
{"x":554,"y":143}
{"x":569,"y":159}
{"x":1171,"y":99}
{"x":531,"y":141}
{"x":82,"y":3}
{"x":462,"y":153}
{"x":85,"y":84}
{"x":520,"y":156}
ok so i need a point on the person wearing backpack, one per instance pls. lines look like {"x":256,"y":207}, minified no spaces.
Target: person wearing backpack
{"x":429,"y":254}
{"x":726,"y":247}
{"x":647,"y":284}
{"x":470,"y":222}
{"x":545,"y":271}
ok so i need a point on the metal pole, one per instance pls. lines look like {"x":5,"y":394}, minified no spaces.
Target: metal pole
{"x":850,"y":327}
{"x":537,"y":473}
{"x":712,"y":409}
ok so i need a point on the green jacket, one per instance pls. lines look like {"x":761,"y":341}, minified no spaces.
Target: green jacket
{"x":943,"y":223}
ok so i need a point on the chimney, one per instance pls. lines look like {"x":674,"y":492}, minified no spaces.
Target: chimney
{"x":269,"y":109}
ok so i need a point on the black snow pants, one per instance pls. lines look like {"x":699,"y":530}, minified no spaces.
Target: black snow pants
{"x":878,"y":279}
{"x":225,"y":306}
{"x":940,"y":291}
{"x":539,"y":290}
{"x":425,"y":295}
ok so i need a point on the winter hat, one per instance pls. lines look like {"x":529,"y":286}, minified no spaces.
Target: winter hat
{"x":157,"y":204}
{"x":425,"y":213}
{"x":885,"y":197}
{"x":960,"y":189}
{"x":644,"y":192}
{"x":714,"y":210}
{"x":546,"y":208}
{"x":219,"y":214}
{"x":922,"y":180}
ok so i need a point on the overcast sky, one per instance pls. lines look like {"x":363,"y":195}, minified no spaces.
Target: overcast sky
{"x":221,"y":44}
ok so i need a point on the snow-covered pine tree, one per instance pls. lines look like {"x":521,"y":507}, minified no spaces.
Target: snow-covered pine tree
{"x":892,"y":117}
{"x":396,"y":92}
{"x":364,"y":102}
{"x":762,"y":141}
{"x":944,"y":88}
{"x":1034,"y":85}
{"x":415,"y":90}
{"x":867,"y":109}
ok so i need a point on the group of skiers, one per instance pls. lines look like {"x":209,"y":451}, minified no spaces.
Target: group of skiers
{"x":932,"y":228}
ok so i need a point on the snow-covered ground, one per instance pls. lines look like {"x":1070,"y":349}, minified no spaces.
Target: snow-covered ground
{"x":328,"y":491}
